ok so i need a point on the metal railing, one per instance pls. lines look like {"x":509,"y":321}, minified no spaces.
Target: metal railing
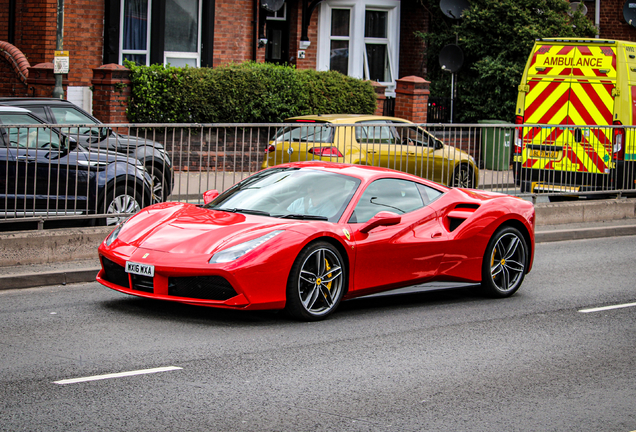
{"x":81,"y":175}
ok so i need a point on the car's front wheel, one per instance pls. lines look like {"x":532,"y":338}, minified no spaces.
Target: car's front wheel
{"x":316,"y":283}
{"x":505,"y":262}
{"x":123,"y":199}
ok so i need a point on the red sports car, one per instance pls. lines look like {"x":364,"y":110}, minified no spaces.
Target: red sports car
{"x":304,"y":236}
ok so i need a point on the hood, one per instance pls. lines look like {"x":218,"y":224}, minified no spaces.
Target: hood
{"x":130,"y":141}
{"x":186,"y":228}
{"x":103,"y":156}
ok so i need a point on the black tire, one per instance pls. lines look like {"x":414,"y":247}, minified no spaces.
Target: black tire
{"x":463,"y":177}
{"x":316,"y":283}
{"x":124,"y":199}
{"x":161,"y":185}
{"x":505,"y":263}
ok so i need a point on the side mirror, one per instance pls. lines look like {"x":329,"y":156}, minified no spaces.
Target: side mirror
{"x":68,"y":143}
{"x":208,"y":196}
{"x":384,"y":218}
{"x":439,"y":145}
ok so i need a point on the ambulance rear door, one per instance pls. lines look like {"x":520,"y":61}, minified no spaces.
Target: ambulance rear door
{"x":571,"y":89}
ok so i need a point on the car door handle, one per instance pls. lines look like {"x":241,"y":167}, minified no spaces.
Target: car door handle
{"x":436,"y":234}
{"x":25,"y":158}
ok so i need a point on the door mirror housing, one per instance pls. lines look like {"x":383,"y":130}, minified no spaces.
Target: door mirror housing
{"x":209,"y":196}
{"x":384,"y":218}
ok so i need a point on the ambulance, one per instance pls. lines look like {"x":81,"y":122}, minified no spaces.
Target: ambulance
{"x":576,"y":107}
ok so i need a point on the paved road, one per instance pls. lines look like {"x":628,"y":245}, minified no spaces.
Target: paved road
{"x":427,"y":361}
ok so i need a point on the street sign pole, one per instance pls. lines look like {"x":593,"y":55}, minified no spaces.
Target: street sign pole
{"x":58,"y":90}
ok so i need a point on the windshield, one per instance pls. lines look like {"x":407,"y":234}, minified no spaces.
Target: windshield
{"x":27,"y":137}
{"x":295,"y":193}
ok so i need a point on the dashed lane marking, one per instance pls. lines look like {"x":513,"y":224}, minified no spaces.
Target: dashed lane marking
{"x":604,"y":308}
{"x":117,"y":375}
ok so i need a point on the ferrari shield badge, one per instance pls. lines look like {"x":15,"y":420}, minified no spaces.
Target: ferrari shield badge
{"x":346,"y":233}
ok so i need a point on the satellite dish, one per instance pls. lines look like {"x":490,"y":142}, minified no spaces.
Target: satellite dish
{"x":454,"y":8}
{"x":577,"y":6}
{"x":629,"y":12}
{"x":272,"y":5}
{"x":451,"y":58}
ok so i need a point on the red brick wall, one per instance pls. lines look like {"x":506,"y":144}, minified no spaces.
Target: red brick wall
{"x":295,"y":14}
{"x":4,"y":19}
{"x":612,"y":22}
{"x":233,"y":31}
{"x":413,"y":17}
{"x":83,"y":37}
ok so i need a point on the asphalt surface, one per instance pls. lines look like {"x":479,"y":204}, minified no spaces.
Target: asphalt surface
{"x":423,"y":361}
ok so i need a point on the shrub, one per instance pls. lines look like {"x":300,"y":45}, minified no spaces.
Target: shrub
{"x":242,"y":93}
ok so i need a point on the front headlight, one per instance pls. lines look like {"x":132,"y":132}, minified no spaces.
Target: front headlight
{"x":239,"y":250}
{"x":113,"y":235}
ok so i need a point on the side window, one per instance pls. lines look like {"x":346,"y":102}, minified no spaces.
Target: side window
{"x":38,"y":111}
{"x":428,"y":193}
{"x":394,"y":195}
{"x":318,"y":133}
{"x":375,"y":134}
{"x":70,"y":115}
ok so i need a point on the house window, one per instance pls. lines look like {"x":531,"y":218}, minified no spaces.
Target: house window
{"x":182,"y":33}
{"x":360,"y":39}
{"x":377,"y":61}
{"x":340,"y":37}
{"x":180,"y":30}
{"x":135,"y":31}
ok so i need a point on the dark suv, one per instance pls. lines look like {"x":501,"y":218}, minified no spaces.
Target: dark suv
{"x":45,"y":173}
{"x":151,"y":154}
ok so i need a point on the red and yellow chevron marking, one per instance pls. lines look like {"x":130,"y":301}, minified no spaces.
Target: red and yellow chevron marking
{"x":570,"y":86}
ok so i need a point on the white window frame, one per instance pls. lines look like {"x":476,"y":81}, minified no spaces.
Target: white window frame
{"x":278,"y":17}
{"x":122,"y":52}
{"x":358,"y":65}
{"x":188,"y":55}
{"x":348,"y":38}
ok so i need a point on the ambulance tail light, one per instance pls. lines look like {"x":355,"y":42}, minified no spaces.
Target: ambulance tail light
{"x":618,"y":150}
{"x":518,"y":135}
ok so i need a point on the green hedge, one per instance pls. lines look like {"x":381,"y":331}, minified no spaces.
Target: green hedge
{"x":242,"y":93}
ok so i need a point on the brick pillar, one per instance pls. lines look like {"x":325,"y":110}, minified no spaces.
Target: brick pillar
{"x":111,"y":92}
{"x":411,"y":98}
{"x":41,"y":80}
{"x":380,"y":97}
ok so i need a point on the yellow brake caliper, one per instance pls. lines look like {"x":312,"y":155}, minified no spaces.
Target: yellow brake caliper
{"x":328,"y":267}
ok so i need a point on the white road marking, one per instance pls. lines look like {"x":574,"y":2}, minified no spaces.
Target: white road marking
{"x":600,"y":309}
{"x":117,"y":375}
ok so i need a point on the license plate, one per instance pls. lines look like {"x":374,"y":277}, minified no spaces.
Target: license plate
{"x":140,"y":269}
{"x":544,"y":154}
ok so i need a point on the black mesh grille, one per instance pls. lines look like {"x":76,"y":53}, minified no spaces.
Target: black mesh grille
{"x":201,"y":287}
{"x":114,"y":273}
{"x":142,"y":283}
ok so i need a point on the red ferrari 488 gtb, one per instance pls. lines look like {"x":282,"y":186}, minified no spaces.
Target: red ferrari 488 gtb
{"x":304,"y":236}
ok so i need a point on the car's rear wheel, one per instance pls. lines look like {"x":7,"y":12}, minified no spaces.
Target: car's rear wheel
{"x":463,"y":177}
{"x":123,"y":199}
{"x":316,"y":283}
{"x":505,"y":263}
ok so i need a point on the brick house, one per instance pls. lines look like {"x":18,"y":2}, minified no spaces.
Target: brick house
{"x":370,"y":39}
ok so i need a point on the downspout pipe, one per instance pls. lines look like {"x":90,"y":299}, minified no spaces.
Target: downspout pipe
{"x":11,"y":36}
{"x":255,"y":29}
{"x":597,"y":17}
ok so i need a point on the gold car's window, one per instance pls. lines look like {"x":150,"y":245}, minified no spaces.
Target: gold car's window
{"x":318,"y":133}
{"x":394,"y":195}
{"x":375,"y":133}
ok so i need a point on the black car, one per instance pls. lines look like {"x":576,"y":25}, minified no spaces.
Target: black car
{"x":58,"y":111}
{"x":45,"y":173}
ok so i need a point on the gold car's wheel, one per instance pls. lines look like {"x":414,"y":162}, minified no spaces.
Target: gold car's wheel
{"x":505,"y":263}
{"x":316,"y":283}
{"x":463,"y":177}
